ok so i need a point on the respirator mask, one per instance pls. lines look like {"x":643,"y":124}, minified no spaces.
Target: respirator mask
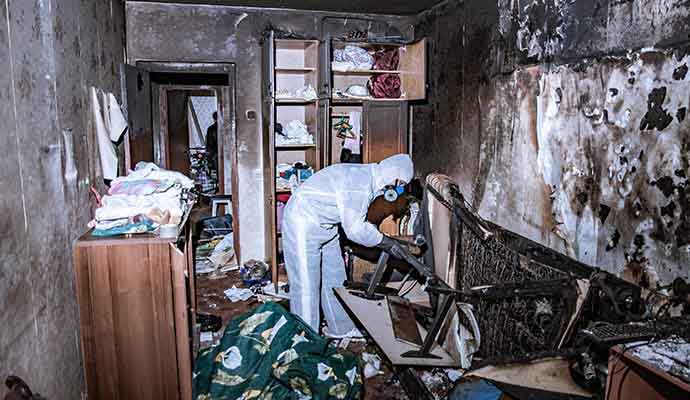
{"x":392,"y":192}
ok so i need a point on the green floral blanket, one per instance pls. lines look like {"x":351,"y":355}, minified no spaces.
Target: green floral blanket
{"x":270,"y":354}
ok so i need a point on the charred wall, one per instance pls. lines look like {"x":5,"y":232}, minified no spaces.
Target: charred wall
{"x":566,"y":121}
{"x":197,"y":33}
{"x":53,"y":51}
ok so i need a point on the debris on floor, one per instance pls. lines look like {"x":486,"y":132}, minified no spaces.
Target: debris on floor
{"x":254,"y":272}
{"x":372,"y":366}
{"x":223,"y":254}
{"x":235,"y":294}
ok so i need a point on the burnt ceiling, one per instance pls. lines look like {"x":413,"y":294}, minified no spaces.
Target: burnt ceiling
{"x":392,"y":7}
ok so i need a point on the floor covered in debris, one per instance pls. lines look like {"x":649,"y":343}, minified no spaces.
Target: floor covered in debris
{"x":383,"y":386}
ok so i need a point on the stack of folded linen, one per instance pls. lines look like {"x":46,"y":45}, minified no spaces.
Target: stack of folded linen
{"x":141,"y":201}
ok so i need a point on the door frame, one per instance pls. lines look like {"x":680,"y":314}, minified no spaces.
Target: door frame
{"x":227,"y":121}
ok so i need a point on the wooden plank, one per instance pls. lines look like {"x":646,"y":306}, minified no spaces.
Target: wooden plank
{"x":182,"y":336}
{"x":374,"y":315}
{"x":107,"y":368}
{"x":550,"y":375}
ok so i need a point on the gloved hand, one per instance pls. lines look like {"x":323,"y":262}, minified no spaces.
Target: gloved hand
{"x":392,"y":247}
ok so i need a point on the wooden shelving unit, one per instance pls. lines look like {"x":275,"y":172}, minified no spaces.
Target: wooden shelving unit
{"x":411,"y":69}
{"x":293,"y":66}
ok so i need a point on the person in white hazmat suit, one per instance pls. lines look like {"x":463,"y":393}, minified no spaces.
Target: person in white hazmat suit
{"x":339,"y":194}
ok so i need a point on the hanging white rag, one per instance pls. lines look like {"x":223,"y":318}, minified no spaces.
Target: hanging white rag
{"x":105,"y":145}
{"x":118,"y":123}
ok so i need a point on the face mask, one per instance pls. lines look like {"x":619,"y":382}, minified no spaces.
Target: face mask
{"x":392,"y":192}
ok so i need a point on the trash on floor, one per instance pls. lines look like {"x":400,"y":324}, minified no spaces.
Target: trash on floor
{"x":254,"y":272}
{"x":236,"y":294}
{"x":223,"y":255}
{"x":372,"y":366}
{"x":268,"y":292}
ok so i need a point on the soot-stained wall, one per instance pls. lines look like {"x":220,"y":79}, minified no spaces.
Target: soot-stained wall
{"x":52,"y":52}
{"x":567,"y":122}
{"x":198,"y":33}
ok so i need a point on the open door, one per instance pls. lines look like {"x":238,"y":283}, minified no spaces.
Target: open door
{"x":136,"y":100}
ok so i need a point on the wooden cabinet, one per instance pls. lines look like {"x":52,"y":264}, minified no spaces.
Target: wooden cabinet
{"x":137,"y":308}
{"x":384,"y":121}
{"x":291,"y":94}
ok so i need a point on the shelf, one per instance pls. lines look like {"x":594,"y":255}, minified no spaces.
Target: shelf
{"x":364,"y":72}
{"x":340,"y":115}
{"x":295,"y":44}
{"x":283,"y":191}
{"x":288,"y":101}
{"x":295,"y":69}
{"x":295,"y":146}
{"x":357,"y":100}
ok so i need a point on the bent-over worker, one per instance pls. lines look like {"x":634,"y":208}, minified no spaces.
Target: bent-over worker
{"x":339,"y":194}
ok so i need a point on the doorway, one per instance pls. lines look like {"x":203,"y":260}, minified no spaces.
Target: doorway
{"x":193,"y":118}
{"x":189,"y":135}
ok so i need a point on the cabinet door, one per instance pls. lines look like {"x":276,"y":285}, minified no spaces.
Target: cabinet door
{"x":385,"y":129}
{"x":413,"y":70}
{"x":183,"y":324}
{"x":136,"y":99}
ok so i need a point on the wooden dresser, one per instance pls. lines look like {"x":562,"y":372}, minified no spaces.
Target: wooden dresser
{"x":137,"y":308}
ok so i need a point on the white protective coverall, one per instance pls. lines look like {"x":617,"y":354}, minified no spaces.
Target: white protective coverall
{"x":339,"y":194}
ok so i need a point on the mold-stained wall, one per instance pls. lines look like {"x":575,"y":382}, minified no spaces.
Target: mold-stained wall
{"x":566,"y":121}
{"x":198,"y":33}
{"x":52,"y":52}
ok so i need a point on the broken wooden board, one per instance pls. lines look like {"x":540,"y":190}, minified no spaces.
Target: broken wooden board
{"x":550,"y":375}
{"x":375,"y":316}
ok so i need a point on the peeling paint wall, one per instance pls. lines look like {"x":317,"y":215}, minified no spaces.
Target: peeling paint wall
{"x":197,"y":33}
{"x":566,"y":121}
{"x":52,"y":51}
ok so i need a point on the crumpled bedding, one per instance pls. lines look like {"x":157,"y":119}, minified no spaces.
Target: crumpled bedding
{"x":271,"y":354}
{"x":149,"y":193}
{"x":385,"y":86}
{"x":351,"y":57}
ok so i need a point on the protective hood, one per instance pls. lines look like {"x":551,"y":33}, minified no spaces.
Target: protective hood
{"x":393,"y":168}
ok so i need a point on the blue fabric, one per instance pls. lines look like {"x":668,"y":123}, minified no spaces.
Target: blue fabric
{"x":475,"y":390}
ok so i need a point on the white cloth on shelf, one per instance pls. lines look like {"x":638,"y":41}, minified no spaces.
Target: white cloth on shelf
{"x":295,"y":132}
{"x":352,"y":57}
